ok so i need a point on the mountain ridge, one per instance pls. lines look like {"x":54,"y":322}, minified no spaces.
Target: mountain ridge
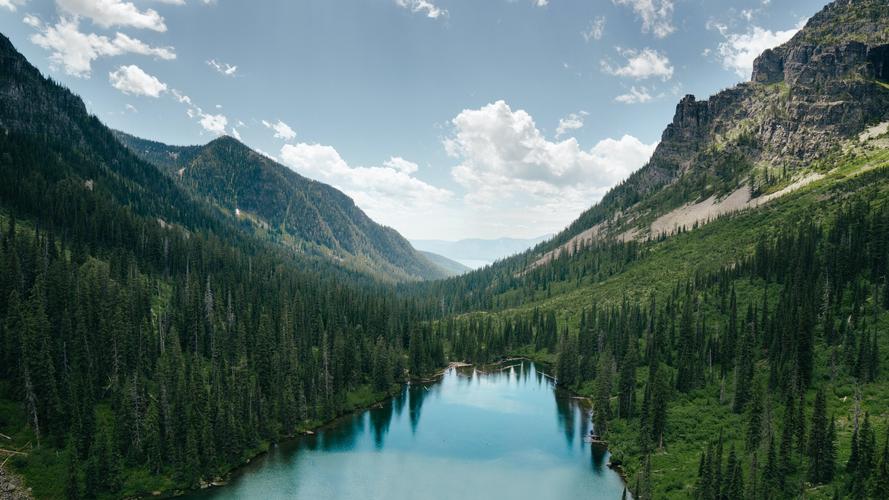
{"x":479,"y":249}
{"x":803,"y":99}
{"x":300,"y":213}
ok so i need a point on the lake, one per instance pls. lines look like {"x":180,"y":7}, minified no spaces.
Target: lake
{"x":505,"y":434}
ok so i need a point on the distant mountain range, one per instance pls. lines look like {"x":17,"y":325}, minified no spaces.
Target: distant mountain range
{"x":476,"y":252}
{"x":299,"y":213}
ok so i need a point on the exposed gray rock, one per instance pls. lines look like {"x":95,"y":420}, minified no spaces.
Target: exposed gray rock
{"x":12,"y":487}
{"x":804,"y":99}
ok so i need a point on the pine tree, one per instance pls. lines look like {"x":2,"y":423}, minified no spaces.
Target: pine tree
{"x":72,"y":482}
{"x":754,"y":420}
{"x":879,"y":487}
{"x":602,"y":400}
{"x":820,"y":443}
{"x":627,"y":383}
{"x":567,"y":362}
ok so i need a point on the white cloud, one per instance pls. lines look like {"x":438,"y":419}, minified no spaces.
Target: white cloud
{"x":506,"y":164}
{"x":641,"y":64}
{"x":223,"y":68}
{"x":133,"y":81}
{"x":108,"y":13}
{"x":213,"y":123}
{"x":657,"y":15}
{"x":75,"y":51}
{"x":541,"y":3}
{"x":635,"y":96}
{"x":386,"y":192}
{"x":400,"y":164}
{"x":423,"y":6}
{"x":11,"y":5}
{"x":235,"y":133}
{"x":573,"y":121}
{"x":131,"y":108}
{"x":739,"y":50}
{"x":596,"y":29}
{"x":282,"y":130}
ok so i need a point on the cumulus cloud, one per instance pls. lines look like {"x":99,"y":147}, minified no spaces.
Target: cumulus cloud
{"x":108,"y":13}
{"x":505,"y":158}
{"x":74,"y":51}
{"x":635,"y":96}
{"x":656,"y":15}
{"x":571,"y":122}
{"x":213,"y":123}
{"x":641,"y":64}
{"x":282,"y":130}
{"x":133,"y":81}
{"x":739,"y":50}
{"x":596,"y":29}
{"x":223,"y":68}
{"x":385,"y":192}
{"x":541,"y":3}
{"x":423,"y":7}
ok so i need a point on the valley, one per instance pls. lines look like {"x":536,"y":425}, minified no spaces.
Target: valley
{"x":207,"y":321}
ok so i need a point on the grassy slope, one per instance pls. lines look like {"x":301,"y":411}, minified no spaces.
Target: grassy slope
{"x":698,"y":417}
{"x":720,"y":242}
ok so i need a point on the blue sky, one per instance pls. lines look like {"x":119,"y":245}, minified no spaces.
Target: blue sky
{"x":444,"y":119}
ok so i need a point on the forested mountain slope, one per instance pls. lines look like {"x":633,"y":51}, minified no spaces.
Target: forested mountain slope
{"x":147,"y":341}
{"x":299,"y":213}
{"x":452,"y":267}
{"x":811,"y":104}
{"x":742,"y":354}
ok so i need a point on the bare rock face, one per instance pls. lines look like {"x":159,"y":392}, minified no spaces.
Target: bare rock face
{"x":12,"y":488}
{"x":804,"y":99}
{"x":768,"y":67}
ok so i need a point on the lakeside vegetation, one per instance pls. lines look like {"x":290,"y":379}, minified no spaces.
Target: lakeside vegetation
{"x":781,"y":304}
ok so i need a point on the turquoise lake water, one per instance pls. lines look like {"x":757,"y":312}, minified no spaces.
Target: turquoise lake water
{"x":505,"y":434}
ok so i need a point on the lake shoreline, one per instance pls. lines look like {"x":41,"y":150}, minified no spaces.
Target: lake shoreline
{"x":225,"y":478}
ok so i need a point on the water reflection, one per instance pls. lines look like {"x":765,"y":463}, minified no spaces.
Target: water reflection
{"x":496,"y":431}
{"x":380,"y":418}
{"x":418,"y":394}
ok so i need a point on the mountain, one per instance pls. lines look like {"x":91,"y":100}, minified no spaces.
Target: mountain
{"x":299,"y":213}
{"x":453,"y":267}
{"x":726,"y":308}
{"x":149,"y":340}
{"x":475,"y":252}
{"x":761,"y":139}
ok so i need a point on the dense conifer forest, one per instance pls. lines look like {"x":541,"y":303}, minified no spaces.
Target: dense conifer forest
{"x":152,"y":342}
{"x":146,"y":342}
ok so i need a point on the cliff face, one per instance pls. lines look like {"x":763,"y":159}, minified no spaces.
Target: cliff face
{"x":804,"y":100}
{"x":804,"y":96}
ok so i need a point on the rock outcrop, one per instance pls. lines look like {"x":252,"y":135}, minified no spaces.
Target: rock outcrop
{"x":12,"y":487}
{"x":804,"y":99}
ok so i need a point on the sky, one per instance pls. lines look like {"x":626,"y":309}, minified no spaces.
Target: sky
{"x":445,"y":119}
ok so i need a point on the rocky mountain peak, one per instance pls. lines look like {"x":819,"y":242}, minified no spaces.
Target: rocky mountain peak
{"x":805,"y":98}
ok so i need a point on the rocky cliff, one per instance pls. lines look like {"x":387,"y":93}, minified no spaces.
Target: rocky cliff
{"x":804,"y":100}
